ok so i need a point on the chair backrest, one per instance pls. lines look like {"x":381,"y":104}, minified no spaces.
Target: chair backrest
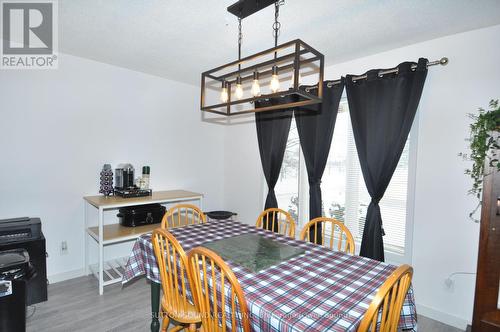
{"x":182,"y":215}
{"x":173,"y":266}
{"x":384,"y":312}
{"x":334,"y":233}
{"x":276,"y":220}
{"x":208,"y":270}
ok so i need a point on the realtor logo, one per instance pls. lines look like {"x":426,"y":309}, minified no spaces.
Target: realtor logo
{"x":29,"y":34}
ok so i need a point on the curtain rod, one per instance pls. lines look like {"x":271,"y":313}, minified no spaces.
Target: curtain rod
{"x":443,"y":61}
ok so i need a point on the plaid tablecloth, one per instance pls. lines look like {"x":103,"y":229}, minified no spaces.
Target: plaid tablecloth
{"x":322,"y":290}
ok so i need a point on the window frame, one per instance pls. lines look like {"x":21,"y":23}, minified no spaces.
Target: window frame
{"x":392,"y":255}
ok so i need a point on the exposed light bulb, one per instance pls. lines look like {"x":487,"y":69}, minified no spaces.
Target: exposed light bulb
{"x":239,"y":91}
{"x":255,"y":85}
{"x":224,"y":97}
{"x":275,"y":81}
{"x":239,"y":88}
{"x":255,"y":88}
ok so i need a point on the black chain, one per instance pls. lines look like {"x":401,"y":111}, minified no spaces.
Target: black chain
{"x":240,"y":38}
{"x":240,"y":35}
{"x":277,"y":24}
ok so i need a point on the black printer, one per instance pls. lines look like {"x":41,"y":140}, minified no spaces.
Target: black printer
{"x":20,"y":229}
{"x":26,"y":233}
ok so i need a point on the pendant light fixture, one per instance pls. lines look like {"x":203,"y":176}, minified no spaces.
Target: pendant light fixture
{"x":274,"y":73}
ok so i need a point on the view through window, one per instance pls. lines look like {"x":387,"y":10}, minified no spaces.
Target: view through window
{"x":287,"y":188}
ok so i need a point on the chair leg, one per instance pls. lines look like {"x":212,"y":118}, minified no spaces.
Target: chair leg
{"x":165,"y":322}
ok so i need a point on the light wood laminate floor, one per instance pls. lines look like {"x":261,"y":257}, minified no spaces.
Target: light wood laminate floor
{"x":74,"y":305}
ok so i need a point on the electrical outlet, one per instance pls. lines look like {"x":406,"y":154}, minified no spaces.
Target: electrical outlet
{"x":64,"y":248}
{"x":449,"y":284}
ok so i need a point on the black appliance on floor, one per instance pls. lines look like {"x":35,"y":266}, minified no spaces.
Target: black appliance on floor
{"x":26,"y":233}
{"x":15,"y":272}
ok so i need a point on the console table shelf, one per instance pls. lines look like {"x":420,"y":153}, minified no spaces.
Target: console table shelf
{"x":115,"y":233}
{"x":110,"y":272}
{"x":113,"y":202}
{"x":113,"y":270}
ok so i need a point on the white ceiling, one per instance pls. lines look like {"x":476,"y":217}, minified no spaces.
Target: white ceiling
{"x":178,"y":39}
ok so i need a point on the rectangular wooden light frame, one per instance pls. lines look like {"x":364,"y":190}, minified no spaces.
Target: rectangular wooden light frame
{"x":298,"y":58}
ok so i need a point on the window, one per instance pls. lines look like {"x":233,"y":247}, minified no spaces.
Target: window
{"x":287,"y":187}
{"x":343,"y":188}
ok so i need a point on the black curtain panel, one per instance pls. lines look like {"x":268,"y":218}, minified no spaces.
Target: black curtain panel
{"x":272,"y":134}
{"x":315,"y":125}
{"x":382,"y":110}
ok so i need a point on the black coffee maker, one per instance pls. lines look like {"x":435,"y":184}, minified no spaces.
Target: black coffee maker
{"x":124,"y":177}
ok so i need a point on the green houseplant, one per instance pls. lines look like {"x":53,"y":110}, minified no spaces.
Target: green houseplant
{"x":484,"y":143}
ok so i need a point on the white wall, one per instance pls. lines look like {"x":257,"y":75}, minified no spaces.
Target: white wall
{"x":57,"y":128}
{"x":444,"y":239}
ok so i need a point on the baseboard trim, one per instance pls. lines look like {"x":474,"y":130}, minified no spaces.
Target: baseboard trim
{"x":58,"y":277}
{"x":459,"y":323}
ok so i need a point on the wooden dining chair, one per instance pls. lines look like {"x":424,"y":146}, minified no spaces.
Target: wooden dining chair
{"x":333,"y":231}
{"x":384,"y":312}
{"x":183,"y":215}
{"x":276,"y":220}
{"x":173,"y":266}
{"x":208,"y":270}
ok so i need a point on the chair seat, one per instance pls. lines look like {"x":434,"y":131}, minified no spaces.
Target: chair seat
{"x":190,"y":316}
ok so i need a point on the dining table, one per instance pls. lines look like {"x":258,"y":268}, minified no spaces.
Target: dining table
{"x":318,"y":289}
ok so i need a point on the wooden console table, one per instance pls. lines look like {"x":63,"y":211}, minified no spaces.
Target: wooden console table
{"x":110,"y":272}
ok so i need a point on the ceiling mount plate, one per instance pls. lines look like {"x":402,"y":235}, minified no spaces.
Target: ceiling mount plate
{"x":244,"y":8}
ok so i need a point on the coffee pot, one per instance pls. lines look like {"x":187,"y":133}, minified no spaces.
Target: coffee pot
{"x":124,"y":176}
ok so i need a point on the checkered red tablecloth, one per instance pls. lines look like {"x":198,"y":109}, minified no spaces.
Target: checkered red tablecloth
{"x":322,"y":290}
